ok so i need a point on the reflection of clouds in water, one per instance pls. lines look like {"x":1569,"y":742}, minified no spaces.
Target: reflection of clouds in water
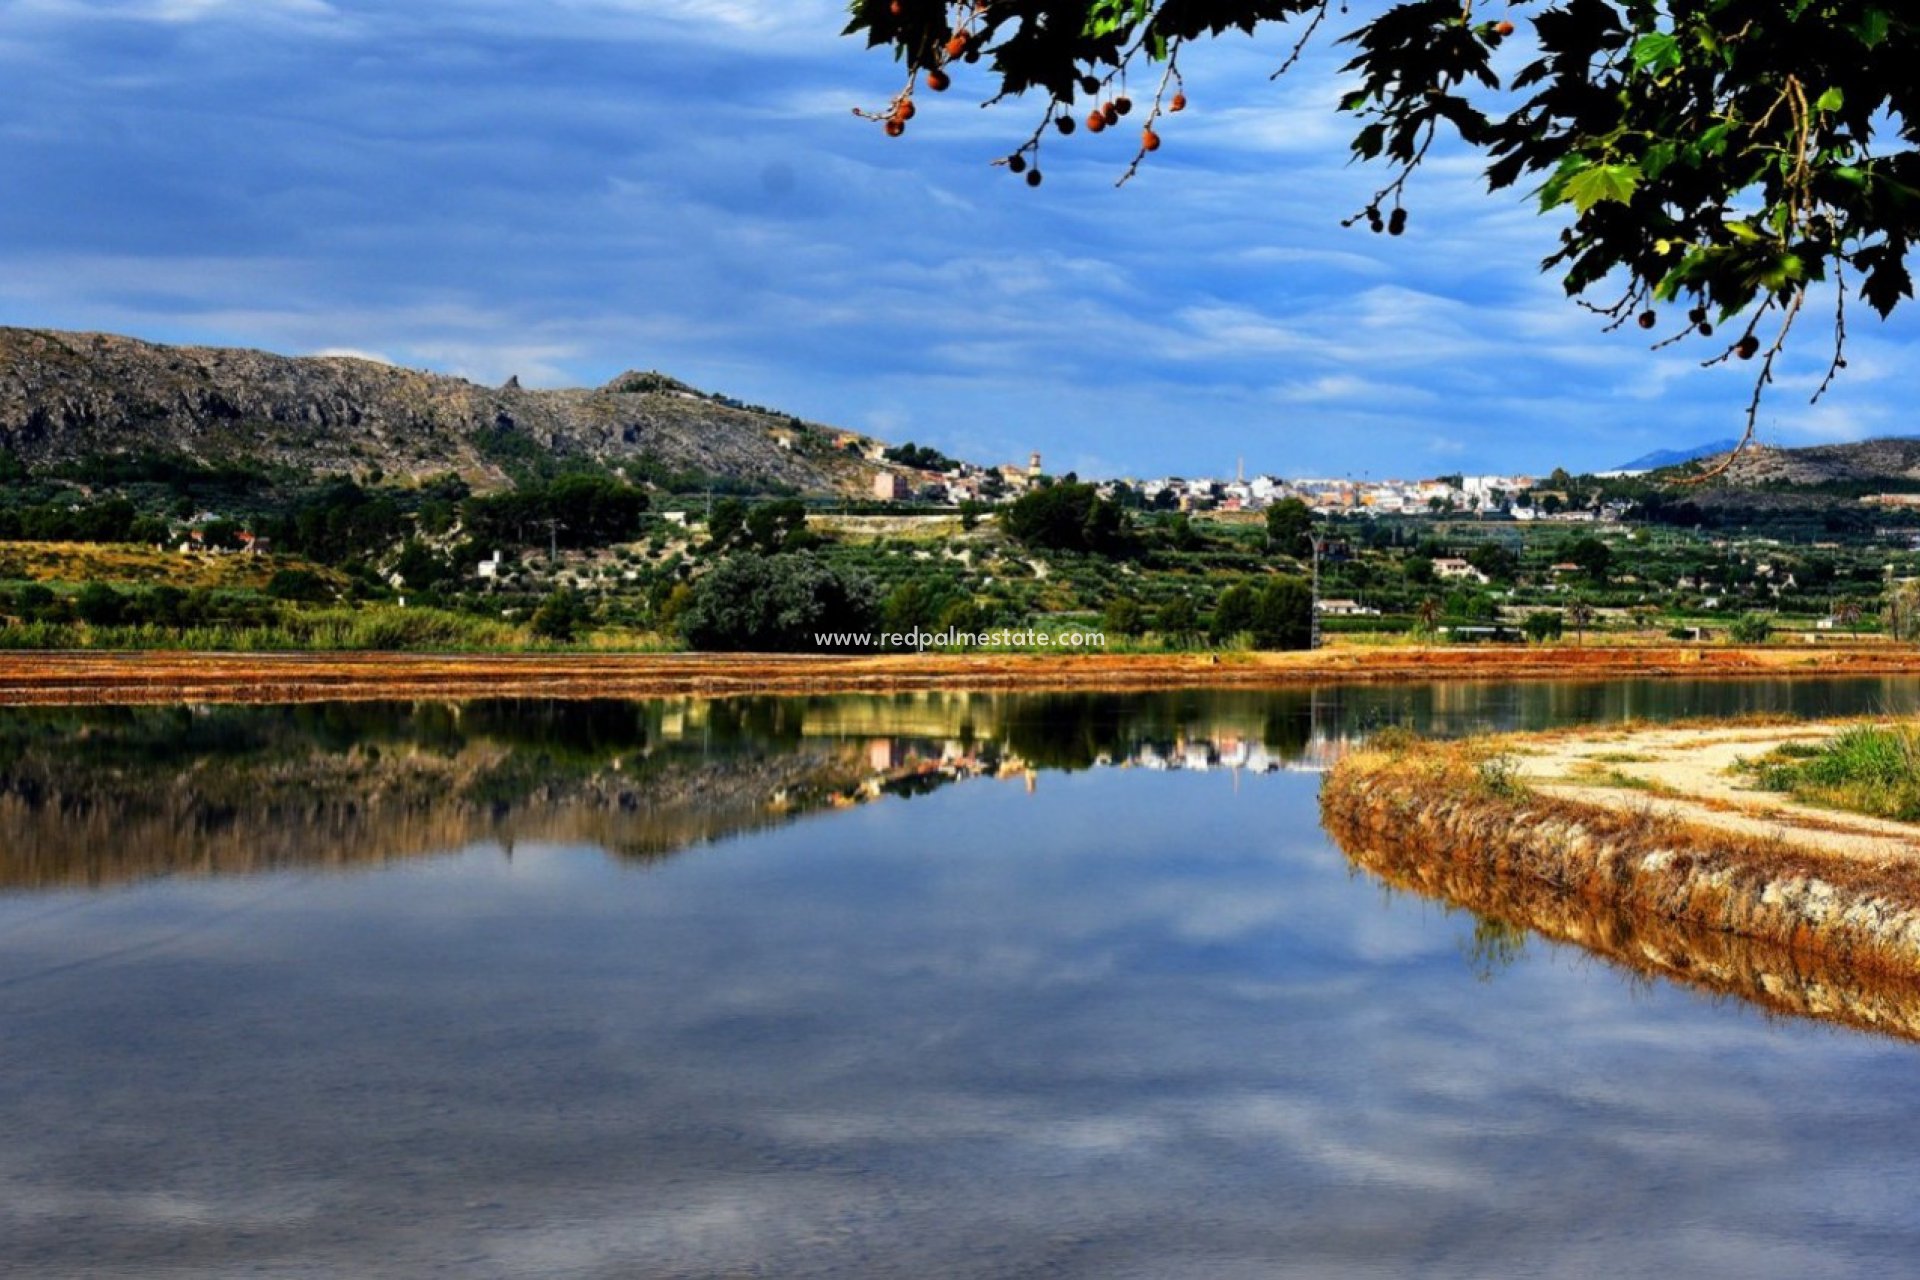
{"x":1128,"y":1025}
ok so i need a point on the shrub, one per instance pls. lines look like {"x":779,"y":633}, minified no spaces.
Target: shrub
{"x":1751,"y":628}
{"x":1123,"y":616}
{"x":99,"y":605}
{"x":1544,"y":626}
{"x":1177,"y":620}
{"x":776,"y":603}
{"x":299,"y":584}
{"x":561,"y":616}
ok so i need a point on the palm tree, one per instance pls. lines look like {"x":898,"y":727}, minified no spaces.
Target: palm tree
{"x":1847,"y":614}
{"x":1428,"y":612}
{"x":1580,"y":614}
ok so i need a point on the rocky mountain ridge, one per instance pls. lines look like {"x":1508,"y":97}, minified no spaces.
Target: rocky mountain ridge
{"x":1890,"y":459}
{"x":65,"y":397}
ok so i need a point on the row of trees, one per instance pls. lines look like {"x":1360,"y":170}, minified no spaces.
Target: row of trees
{"x":575,"y":511}
{"x":1277,"y":616}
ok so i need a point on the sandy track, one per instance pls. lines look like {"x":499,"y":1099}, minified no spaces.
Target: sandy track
{"x":1688,"y":774}
{"x":162,"y":677}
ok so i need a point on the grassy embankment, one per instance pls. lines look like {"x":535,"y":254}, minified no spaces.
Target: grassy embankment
{"x":1468,"y":809}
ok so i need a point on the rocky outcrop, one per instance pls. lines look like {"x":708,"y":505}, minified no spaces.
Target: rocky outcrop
{"x":71,"y":396}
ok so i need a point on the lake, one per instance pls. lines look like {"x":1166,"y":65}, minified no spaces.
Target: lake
{"x":910,"y":985}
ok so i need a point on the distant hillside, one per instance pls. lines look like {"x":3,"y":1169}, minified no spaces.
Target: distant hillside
{"x":70,"y":396}
{"x":1675,"y":457}
{"x":1895,"y":461}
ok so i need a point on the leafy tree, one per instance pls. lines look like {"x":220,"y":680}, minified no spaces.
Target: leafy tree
{"x":575,"y":510}
{"x":1181,"y":533}
{"x":1719,"y":158}
{"x":921,"y":457}
{"x":1751,"y":628}
{"x":1283,"y":615}
{"x":1289,"y":528}
{"x":1592,"y":555}
{"x":1068,"y":517}
{"x":778,"y":526}
{"x":1495,"y":561}
{"x":1471,"y":606}
{"x":1233,"y":613}
{"x":727,"y":519}
{"x":776,"y":604}
{"x":421,"y":567}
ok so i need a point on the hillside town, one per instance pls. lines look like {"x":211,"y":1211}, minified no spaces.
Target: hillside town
{"x":909,"y":473}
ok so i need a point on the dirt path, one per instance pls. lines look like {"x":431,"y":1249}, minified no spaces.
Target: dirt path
{"x":87,"y":677}
{"x":1689,"y":774}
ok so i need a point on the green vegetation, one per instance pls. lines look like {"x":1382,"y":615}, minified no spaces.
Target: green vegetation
{"x":1866,"y":770}
{"x":168,"y":551}
{"x":776,"y":604}
{"x":1068,"y":517}
{"x":1713,"y":163}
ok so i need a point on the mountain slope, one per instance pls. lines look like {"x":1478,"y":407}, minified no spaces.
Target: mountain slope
{"x":70,"y":396}
{"x":1675,"y":457}
{"x":1894,"y":459}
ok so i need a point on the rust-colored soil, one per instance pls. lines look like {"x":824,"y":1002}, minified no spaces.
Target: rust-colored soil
{"x":83,"y":677}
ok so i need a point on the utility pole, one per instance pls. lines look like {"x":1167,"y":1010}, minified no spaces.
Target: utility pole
{"x":1313,"y":608}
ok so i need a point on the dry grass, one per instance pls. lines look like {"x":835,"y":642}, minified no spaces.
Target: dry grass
{"x":80,"y":562}
{"x":1432,"y":801}
{"x":106,"y":677}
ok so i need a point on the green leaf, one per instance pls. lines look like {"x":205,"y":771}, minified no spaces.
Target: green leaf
{"x":1657,"y":52}
{"x":1872,"y":27}
{"x":1832,"y":100}
{"x":1600,"y":184}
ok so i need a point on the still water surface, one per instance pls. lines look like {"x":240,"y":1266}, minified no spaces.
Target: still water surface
{"x":928,"y":985}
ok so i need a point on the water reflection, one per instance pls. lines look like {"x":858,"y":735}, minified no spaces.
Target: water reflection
{"x":105,"y":795}
{"x":1145,"y":1021}
{"x":1504,"y":910}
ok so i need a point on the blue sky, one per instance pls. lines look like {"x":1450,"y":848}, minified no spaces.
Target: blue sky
{"x":566,"y":189}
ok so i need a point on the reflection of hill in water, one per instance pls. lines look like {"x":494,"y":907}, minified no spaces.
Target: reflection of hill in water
{"x":1776,"y":978}
{"x":103,"y":795}
{"x":93,"y":797}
